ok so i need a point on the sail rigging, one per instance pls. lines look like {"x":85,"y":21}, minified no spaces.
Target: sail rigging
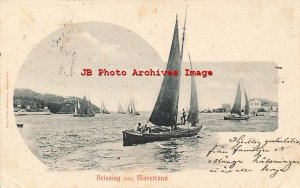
{"x":129,"y":110}
{"x":166,"y":107}
{"x":193,"y":111}
{"x":131,"y":107}
{"x":236,"y":109}
{"x":165,"y":110}
{"x":77,"y":106}
{"x":90,"y":109}
{"x":84,"y":108}
{"x":183,"y":33}
{"x":247,"y":107}
{"x":120,"y":109}
{"x":237,"y":106}
{"x":103,"y":109}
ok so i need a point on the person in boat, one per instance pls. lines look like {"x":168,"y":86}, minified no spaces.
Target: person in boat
{"x":138,"y":127}
{"x":147,"y":129}
{"x":173,"y":127}
{"x":144,"y":128}
{"x":182,"y":117}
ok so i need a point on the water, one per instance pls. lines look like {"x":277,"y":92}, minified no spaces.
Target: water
{"x":64,"y":142}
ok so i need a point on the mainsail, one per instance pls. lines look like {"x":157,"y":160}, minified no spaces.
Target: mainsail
{"x":103,"y":109}
{"x":77,"y":106}
{"x":83,"y":106}
{"x":131,"y":107}
{"x":236,"y":109}
{"x":193,"y":111}
{"x":90,"y":109}
{"x":166,"y":107}
{"x":120,"y":109}
{"x":247,"y":107}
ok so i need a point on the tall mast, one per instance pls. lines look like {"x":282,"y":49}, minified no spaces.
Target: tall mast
{"x":181,"y":54}
{"x":183,"y":33}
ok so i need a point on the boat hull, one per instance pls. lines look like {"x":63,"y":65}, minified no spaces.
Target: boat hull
{"x":20,"y":125}
{"x":131,"y":137}
{"x":236,"y":117}
{"x":78,"y":115}
{"x":32,"y":113}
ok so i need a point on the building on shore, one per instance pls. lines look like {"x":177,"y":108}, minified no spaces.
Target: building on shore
{"x":262,"y":105}
{"x":226,"y":107}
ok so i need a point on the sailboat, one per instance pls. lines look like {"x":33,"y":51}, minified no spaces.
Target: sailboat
{"x":85,"y":109}
{"x":236,"y":111}
{"x":103,"y":109}
{"x":165,"y":112}
{"x":120,"y":109}
{"x":131,"y":108}
{"x":274,"y":111}
{"x":77,"y":106}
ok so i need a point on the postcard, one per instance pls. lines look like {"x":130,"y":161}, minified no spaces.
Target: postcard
{"x":149,"y":93}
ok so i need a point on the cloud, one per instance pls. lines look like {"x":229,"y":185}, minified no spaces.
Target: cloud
{"x":110,"y":52}
{"x":87,"y":36}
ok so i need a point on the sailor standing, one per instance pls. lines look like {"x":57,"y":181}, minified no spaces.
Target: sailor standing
{"x":182,"y":117}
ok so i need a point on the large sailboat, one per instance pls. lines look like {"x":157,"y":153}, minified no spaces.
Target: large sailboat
{"x":165,"y":112}
{"x":103,"y":109}
{"x":85,"y":109}
{"x":131,"y":108}
{"x":236,"y":112}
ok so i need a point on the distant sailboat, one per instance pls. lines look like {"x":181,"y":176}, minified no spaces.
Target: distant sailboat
{"x":131,"y":108}
{"x":120,"y":109}
{"x":85,"y":109}
{"x":273,"y":111}
{"x":103,"y":109}
{"x":236,"y":111}
{"x":165,"y":112}
{"x":77,"y":106}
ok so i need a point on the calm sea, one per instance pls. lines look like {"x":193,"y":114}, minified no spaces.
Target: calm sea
{"x":64,"y":142}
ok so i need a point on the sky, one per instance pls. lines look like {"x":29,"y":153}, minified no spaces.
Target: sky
{"x":55,"y":64}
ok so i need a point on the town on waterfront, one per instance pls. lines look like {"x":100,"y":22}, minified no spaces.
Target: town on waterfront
{"x":29,"y":102}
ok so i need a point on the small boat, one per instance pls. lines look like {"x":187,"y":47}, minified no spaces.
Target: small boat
{"x":233,"y":117}
{"x":274,"y":111}
{"x":19,"y":125}
{"x":131,"y":108}
{"x":20,"y":112}
{"x":103,"y":109}
{"x":236,"y":111}
{"x":165,"y":112}
{"x":120,"y":109}
{"x":85,"y":109}
{"x":23,"y":112}
{"x":131,"y":137}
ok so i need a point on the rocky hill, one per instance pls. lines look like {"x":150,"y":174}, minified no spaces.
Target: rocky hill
{"x":55,"y":103}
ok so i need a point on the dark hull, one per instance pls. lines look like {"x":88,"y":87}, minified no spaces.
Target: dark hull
{"x":135,"y":114}
{"x":20,"y":125}
{"x":236,"y":117}
{"x":77,"y":115}
{"x":131,"y":137}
